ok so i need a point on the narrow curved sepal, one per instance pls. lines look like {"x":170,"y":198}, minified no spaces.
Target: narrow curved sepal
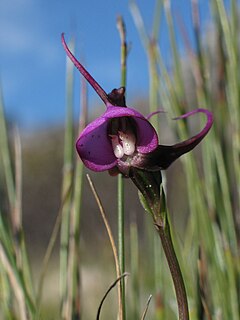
{"x":99,"y":90}
{"x":163,"y":156}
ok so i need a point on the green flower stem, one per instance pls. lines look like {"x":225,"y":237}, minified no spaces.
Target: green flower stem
{"x":121,"y":244}
{"x":153,"y":200}
{"x":163,"y":229}
{"x":165,"y":236}
{"x":67,"y":181}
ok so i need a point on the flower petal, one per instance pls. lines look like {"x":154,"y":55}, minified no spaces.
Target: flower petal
{"x":150,"y":115}
{"x":163,"y":156}
{"x":99,"y":90}
{"x":147,"y":139}
{"x":94,"y":146}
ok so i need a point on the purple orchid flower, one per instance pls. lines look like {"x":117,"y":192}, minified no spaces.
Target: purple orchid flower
{"x":122,"y":138}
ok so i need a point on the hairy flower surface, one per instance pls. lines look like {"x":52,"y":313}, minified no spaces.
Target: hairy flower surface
{"x":122,"y":138}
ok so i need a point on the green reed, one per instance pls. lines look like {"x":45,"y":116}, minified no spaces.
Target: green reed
{"x":207,"y":243}
{"x":212,"y":173}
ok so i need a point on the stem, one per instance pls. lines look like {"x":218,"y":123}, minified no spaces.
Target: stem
{"x":165,"y":236}
{"x":67,"y":181}
{"x":153,"y":200}
{"x":121,"y":244}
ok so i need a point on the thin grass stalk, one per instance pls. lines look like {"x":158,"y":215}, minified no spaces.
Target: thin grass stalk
{"x":15,"y":284}
{"x":207,"y":150}
{"x":146,"y":308}
{"x":198,"y":62}
{"x":6,"y":290}
{"x":17,"y":214}
{"x":203,"y":303}
{"x":149,"y":44}
{"x":138,"y":20}
{"x":189,"y":164}
{"x":232,"y":87}
{"x":166,"y":87}
{"x":153,"y":78}
{"x":197,"y":208}
{"x":6,"y":294}
{"x":218,"y":198}
{"x":68,"y":301}
{"x":49,"y":251}
{"x":16,"y":219}
{"x":176,"y":92}
{"x":232,"y":284}
{"x":154,"y":104}
{"x":157,"y":19}
{"x":67,"y":180}
{"x":112,"y":242}
{"x":153,"y":74}
{"x":225,"y":163}
{"x":5,"y":155}
{"x":77,"y":200}
{"x":107,"y":225}
{"x":5,"y":237}
{"x":107,"y":292}
{"x":203,"y":101}
{"x":121,"y":241}
{"x":220,"y":285}
{"x":72,"y":302}
{"x":225,"y":212}
{"x":135,"y":272}
{"x":17,"y":281}
{"x":14,"y":190}
{"x":121,"y":224}
{"x":176,"y":59}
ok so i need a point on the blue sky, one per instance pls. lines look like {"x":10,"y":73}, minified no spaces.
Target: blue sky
{"x":33,"y":62}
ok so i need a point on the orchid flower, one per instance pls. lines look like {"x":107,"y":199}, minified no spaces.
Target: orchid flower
{"x":123,"y":141}
{"x":122,"y":138}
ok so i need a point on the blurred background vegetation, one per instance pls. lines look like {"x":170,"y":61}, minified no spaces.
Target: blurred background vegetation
{"x":202,"y":193}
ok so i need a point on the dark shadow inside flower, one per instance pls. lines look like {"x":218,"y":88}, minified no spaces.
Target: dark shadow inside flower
{"x":95,"y":144}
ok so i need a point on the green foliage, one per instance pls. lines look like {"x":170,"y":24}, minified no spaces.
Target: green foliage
{"x":207,"y":225}
{"x":209,"y":244}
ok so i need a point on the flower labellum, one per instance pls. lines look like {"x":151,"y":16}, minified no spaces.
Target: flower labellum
{"x":122,"y":138}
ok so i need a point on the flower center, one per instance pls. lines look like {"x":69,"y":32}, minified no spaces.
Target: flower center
{"x":123,"y":138}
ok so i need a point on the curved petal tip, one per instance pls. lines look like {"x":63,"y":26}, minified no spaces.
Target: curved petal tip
{"x":171,"y":153}
{"x":99,"y":90}
{"x":162,"y":157}
{"x":200,"y":110}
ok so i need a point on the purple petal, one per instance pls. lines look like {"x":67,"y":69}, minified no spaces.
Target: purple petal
{"x":99,"y":90}
{"x":150,"y":115}
{"x":94,"y":146}
{"x":163,"y":156}
{"x":147,"y":139}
